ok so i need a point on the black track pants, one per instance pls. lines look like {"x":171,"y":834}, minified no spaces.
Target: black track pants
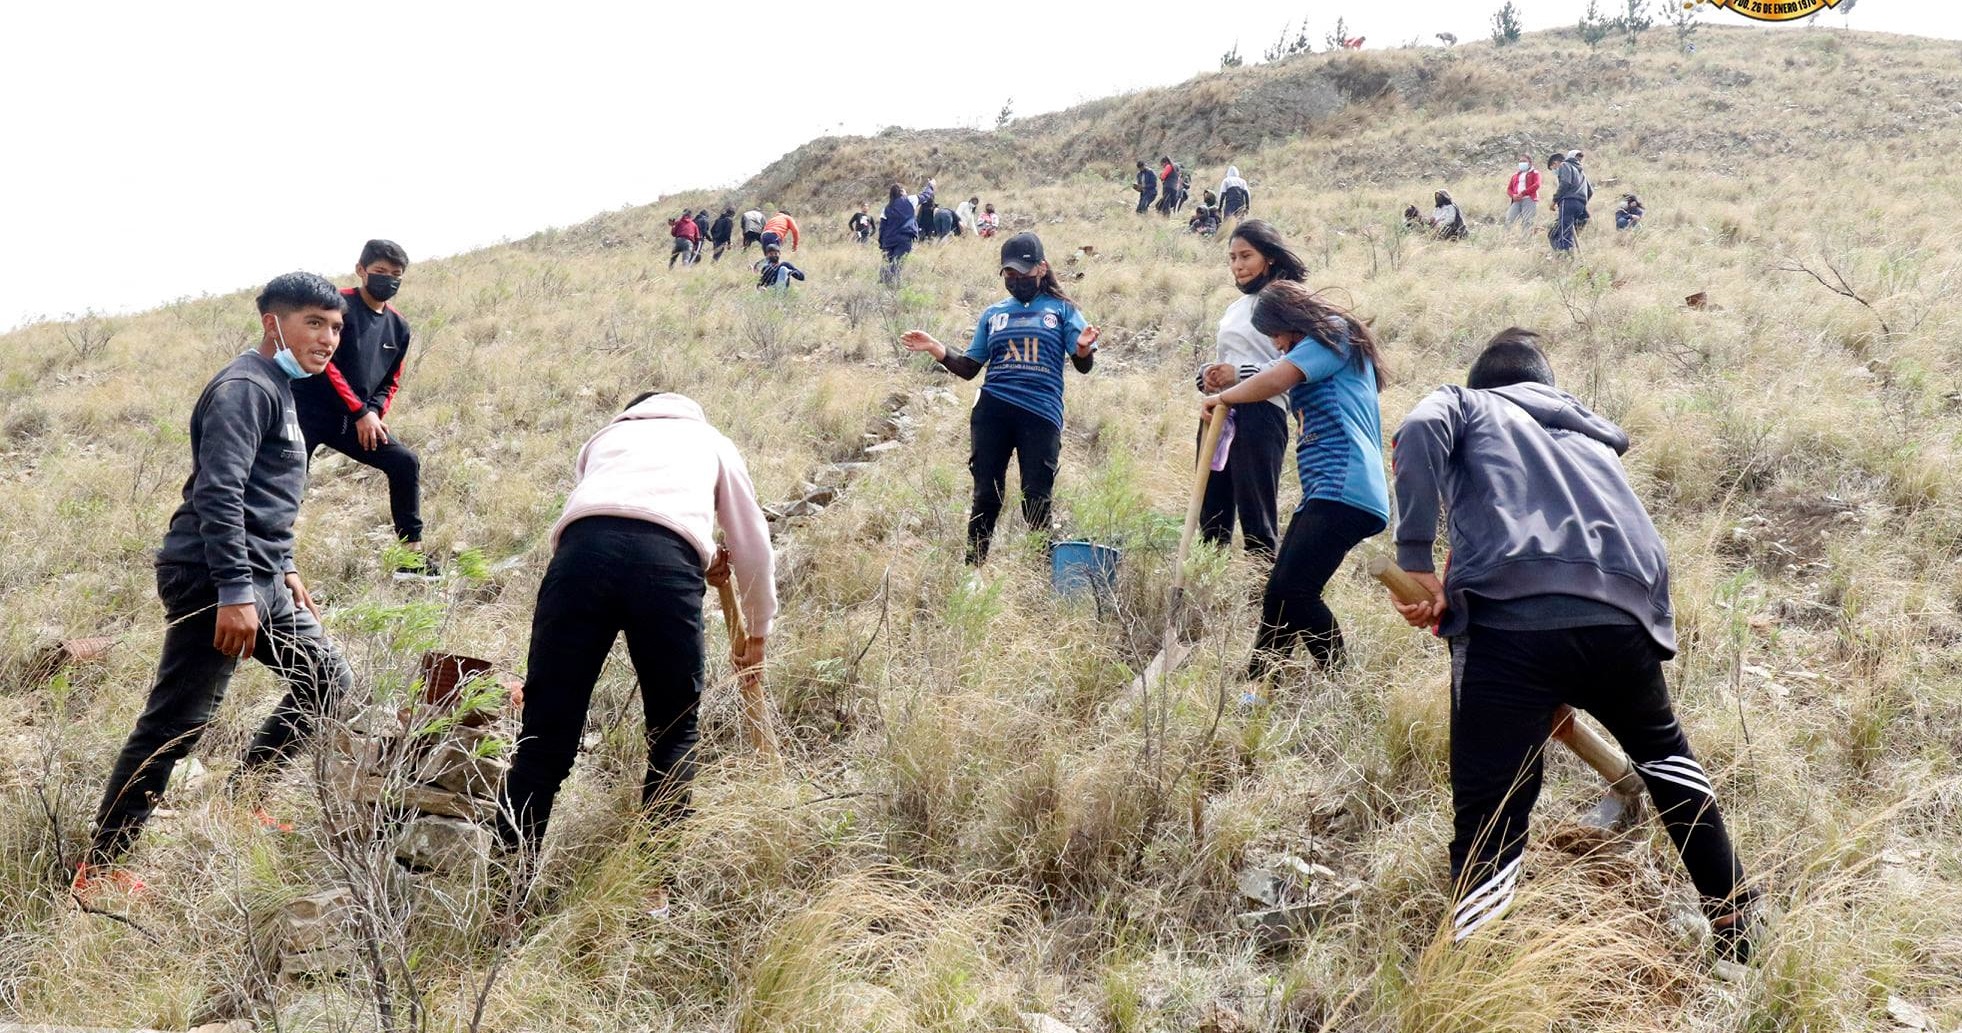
{"x":999,"y":429}
{"x":1250,"y":484}
{"x":1505,"y":688}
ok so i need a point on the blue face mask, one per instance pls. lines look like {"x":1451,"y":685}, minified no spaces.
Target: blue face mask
{"x":284,"y":358}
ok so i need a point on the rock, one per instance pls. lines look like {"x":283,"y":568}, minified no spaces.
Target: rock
{"x":1037,"y":1022}
{"x":800,"y":508}
{"x":1906,"y":1015}
{"x":883,"y":446}
{"x":457,"y":768}
{"x":820,"y":494}
{"x":836,"y":475}
{"x":1261,"y":886}
{"x":1274,"y":928}
{"x":187,"y":775}
{"x":314,"y":922}
{"x":443,"y":844}
{"x":324,"y":963}
{"x":434,"y":800}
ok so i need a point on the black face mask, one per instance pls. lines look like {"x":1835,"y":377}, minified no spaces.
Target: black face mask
{"x":1022,"y":288}
{"x":1254,"y":285}
{"x":382,"y":288}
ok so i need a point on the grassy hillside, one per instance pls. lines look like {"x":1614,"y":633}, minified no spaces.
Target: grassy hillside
{"x":975,"y":817}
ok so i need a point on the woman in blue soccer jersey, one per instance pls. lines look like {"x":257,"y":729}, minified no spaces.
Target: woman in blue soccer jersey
{"x":1021,"y":341}
{"x":1331,"y":371}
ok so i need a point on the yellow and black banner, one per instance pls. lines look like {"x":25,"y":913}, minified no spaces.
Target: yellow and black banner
{"x":1774,"y":10}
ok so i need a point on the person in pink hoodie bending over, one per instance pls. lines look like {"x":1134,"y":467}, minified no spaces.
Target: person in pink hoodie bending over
{"x":632,"y":553}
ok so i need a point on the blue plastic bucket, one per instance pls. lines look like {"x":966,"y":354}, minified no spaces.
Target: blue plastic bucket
{"x":1079,"y":567}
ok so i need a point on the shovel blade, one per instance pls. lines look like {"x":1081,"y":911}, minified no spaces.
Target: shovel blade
{"x":1615,"y":814}
{"x":1167,"y":661}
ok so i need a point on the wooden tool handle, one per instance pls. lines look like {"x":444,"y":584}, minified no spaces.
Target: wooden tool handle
{"x":732,"y":616}
{"x":1599,"y":753}
{"x":1400,"y":584}
{"x":1200,"y":475}
{"x":756,"y":718}
{"x":1587,"y":744}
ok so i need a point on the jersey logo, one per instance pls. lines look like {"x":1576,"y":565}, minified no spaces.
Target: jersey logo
{"x":1025,"y":349}
{"x":1049,"y":320}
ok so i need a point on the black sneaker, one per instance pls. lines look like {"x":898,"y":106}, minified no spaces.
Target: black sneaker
{"x":417,"y":567}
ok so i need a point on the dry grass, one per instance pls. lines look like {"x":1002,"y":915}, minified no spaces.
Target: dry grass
{"x":975,"y":817}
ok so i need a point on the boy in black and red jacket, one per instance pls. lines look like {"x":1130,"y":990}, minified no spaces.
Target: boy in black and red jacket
{"x":345,"y":409}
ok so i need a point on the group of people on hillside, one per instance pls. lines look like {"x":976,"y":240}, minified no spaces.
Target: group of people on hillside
{"x":631,"y":553}
{"x":1169,"y":188}
{"x":1556,"y":593}
{"x":693,"y":230}
{"x":1572,"y":192}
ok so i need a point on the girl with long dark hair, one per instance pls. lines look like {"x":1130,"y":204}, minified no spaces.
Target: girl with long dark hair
{"x":1021,"y":341}
{"x":1331,"y":372}
{"x":1248,"y":486}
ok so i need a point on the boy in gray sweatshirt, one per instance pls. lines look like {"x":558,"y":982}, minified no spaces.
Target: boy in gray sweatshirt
{"x":1557,"y":592}
{"x":225,"y":573}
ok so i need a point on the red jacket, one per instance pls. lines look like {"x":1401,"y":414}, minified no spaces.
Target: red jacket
{"x":686,"y":229}
{"x":1529,"y":189}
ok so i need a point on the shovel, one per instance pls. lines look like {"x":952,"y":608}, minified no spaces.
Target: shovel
{"x":1175,"y":649}
{"x":756,"y":717}
{"x":1622,"y":806}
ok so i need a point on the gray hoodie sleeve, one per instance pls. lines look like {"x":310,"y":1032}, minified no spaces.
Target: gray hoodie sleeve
{"x":236,"y":419}
{"x":1421,"y":453}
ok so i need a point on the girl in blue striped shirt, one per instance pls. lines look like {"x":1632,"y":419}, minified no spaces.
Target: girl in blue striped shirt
{"x":1331,"y":372}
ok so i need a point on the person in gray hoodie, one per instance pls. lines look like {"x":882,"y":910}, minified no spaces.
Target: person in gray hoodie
{"x":1571,"y":193}
{"x":225,"y":573}
{"x":1557,"y":592}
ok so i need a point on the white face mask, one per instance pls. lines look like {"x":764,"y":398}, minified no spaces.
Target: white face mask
{"x":284,"y":357}
{"x":1525,"y":166}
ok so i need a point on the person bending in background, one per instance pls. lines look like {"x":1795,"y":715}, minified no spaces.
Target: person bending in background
{"x":1331,"y":371}
{"x":1146,"y":184}
{"x":1557,"y":593}
{"x":347,"y":408}
{"x":722,"y":231}
{"x":1447,"y":220}
{"x":752,"y":228}
{"x":899,"y":227}
{"x":784,"y":227}
{"x":632,"y":553}
{"x":988,"y":223}
{"x":1248,"y":486}
{"x":226,"y":575}
{"x":685,"y":234}
{"x":1021,"y":341}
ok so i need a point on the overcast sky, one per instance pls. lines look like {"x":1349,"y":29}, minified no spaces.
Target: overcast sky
{"x":163,"y":150}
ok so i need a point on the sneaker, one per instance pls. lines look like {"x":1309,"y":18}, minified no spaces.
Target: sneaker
{"x":94,"y":880}
{"x":417,"y":567}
